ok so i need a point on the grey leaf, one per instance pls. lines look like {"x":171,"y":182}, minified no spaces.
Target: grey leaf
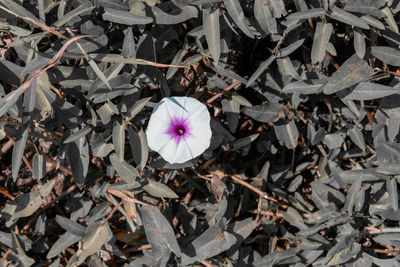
{"x":18,"y":151}
{"x":71,"y":226}
{"x":310,"y":13}
{"x":348,"y":18}
{"x":391,"y":186}
{"x":305,"y":87}
{"x":211,"y":242}
{"x":26,"y":204}
{"x":38,"y":166}
{"x":125,"y":17}
{"x":77,"y":135}
{"x":65,"y":241}
{"x":364,"y":7}
{"x":129,"y":46}
{"x":157,"y":189}
{"x":212,"y":32}
{"x":284,"y":52}
{"x":118,"y":137}
{"x":136,"y":108}
{"x":264,"y":113}
{"x":287,"y":133}
{"x":236,"y":12}
{"x":264,"y":17}
{"x":351,"y":196}
{"x":85,"y":7}
{"x":78,"y":157}
{"x":96,"y":235}
{"x":263,"y":66}
{"x":321,"y":38}
{"x":390,"y":19}
{"x":386,"y":54}
{"x":357,"y":137}
{"x":126,"y":171}
{"x":158,"y":230}
{"x":175,"y":16}
{"x":353,"y":71}
{"x":359,"y":42}
{"x":176,"y":61}
{"x":231,"y":110}
{"x":370,"y":91}
{"x":139,"y":147}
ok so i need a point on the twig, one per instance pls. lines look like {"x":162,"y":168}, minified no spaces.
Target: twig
{"x":37,"y":23}
{"x":207,"y":264}
{"x":7,"y":146}
{"x":267,"y":213}
{"x":49,"y":64}
{"x":228,"y":88}
{"x":66,"y":170}
{"x":27,"y":163}
{"x":112,"y":212}
{"x":7,"y":194}
{"x":252,"y":188}
{"x":138,"y":248}
{"x":125,"y":197}
{"x":160,"y":64}
{"x":374,"y":231}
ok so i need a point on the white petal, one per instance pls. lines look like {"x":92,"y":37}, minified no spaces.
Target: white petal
{"x":182,"y":153}
{"x":156,"y":133}
{"x":161,"y":111}
{"x":201,"y":115}
{"x":175,"y":106}
{"x":168,"y":151}
{"x":192,"y":105}
{"x":198,"y":143}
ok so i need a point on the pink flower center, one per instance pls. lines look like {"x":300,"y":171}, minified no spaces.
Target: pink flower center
{"x":178,"y":129}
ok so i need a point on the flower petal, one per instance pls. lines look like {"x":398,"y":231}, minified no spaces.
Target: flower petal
{"x":156,"y":133}
{"x":182,"y":153}
{"x":161,"y":111}
{"x":175,"y":106}
{"x":168,"y":151}
{"x":198,"y":142}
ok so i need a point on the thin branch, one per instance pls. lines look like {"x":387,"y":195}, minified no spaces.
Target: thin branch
{"x":252,"y":188}
{"x":37,"y":23}
{"x":227,"y":89}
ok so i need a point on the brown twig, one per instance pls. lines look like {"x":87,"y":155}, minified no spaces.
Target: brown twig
{"x":267,"y":213}
{"x":125,"y":197}
{"x":37,"y":23}
{"x":138,"y":248}
{"x":160,"y":65}
{"x":112,"y":212}
{"x":27,"y":163}
{"x":207,"y":264}
{"x":66,"y":170}
{"x":7,"y":194}
{"x":7,"y":146}
{"x":49,"y":64}
{"x":252,"y":188}
{"x":227,"y":89}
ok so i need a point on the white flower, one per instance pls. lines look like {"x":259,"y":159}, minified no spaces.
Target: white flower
{"x":179,"y":129}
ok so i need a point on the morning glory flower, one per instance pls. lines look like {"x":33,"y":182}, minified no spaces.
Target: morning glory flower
{"x":179,"y":129}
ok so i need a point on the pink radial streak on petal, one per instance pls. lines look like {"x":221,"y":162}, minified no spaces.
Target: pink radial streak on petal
{"x":178,"y":129}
